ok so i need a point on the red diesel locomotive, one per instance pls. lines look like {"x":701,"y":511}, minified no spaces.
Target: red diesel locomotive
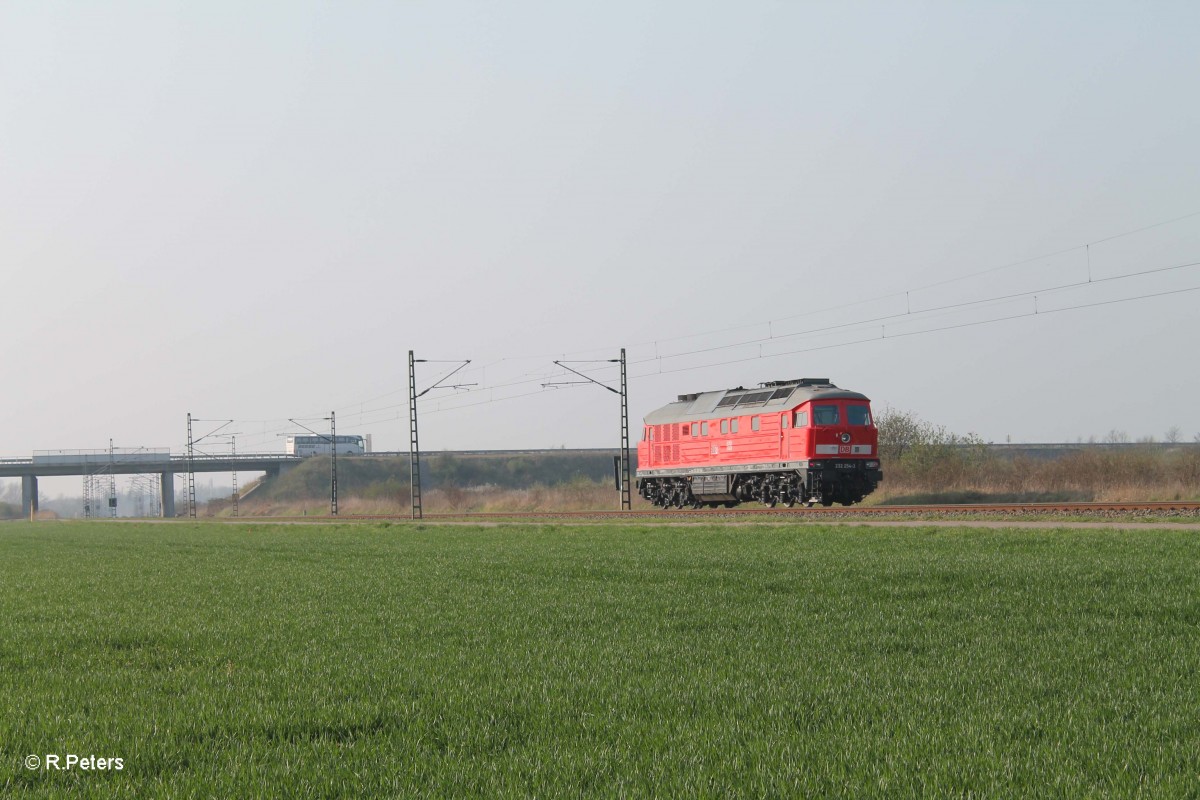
{"x":799,"y":441}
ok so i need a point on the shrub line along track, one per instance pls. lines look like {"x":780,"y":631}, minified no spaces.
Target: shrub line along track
{"x":970,"y":510}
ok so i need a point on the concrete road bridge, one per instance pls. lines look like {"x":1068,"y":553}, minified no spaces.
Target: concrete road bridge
{"x":59,"y":463}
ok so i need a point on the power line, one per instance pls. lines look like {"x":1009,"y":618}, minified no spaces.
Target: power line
{"x":874,"y":338}
{"x":1009,"y":265}
{"x":846,"y":326}
{"x":883,"y":335}
{"x":1086,"y":247}
{"x":539,"y":376}
{"x":926,"y":311}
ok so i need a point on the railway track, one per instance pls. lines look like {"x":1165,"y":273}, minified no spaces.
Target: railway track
{"x":1119,"y":510}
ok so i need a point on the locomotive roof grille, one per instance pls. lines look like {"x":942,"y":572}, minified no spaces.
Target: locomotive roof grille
{"x":797,"y":382}
{"x":754,"y":399}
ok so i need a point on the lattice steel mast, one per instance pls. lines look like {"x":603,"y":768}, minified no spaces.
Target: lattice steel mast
{"x":191,"y":476}
{"x":414,"y":450}
{"x":414,"y":458}
{"x":333,"y":478}
{"x":332,"y":439}
{"x":88,"y":495}
{"x":191,"y":456}
{"x":112,"y":483}
{"x":623,"y":391}
{"x":233,"y":453}
{"x":626,"y":493}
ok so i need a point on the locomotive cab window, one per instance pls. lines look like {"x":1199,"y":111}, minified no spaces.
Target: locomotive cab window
{"x":801,"y":419}
{"x":858,"y":415}
{"x":825,"y":415}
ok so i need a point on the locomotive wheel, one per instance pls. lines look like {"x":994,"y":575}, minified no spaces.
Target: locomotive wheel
{"x":790,"y":502}
{"x":827,"y":503}
{"x":769,"y":502}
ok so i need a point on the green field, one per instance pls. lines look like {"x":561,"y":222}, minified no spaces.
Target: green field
{"x":421,"y":660}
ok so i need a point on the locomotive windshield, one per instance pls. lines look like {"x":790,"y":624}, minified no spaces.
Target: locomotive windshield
{"x":825,"y":415}
{"x":858,"y":415}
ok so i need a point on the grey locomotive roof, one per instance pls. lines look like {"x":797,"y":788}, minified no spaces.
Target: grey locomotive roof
{"x":772,"y":396}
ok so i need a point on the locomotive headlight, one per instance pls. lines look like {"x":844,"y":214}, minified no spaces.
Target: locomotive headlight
{"x":872,"y":465}
{"x":845,"y":438}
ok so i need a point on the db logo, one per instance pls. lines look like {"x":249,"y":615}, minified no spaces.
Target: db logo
{"x":843,"y":449}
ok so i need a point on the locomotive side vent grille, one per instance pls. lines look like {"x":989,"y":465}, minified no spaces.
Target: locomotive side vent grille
{"x":674,"y":452}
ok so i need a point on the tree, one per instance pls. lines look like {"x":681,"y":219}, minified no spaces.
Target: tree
{"x":899,"y":431}
{"x":1173,"y":435}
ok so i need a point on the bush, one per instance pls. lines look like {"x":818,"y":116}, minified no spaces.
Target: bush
{"x":920,"y":459}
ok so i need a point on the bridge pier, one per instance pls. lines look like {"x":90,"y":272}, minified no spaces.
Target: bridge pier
{"x":29,"y":496}
{"x":279,"y":470}
{"x":167,"y":490}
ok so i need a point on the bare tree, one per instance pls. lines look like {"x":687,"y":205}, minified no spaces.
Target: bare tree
{"x":899,"y":431}
{"x":1116,"y":437}
{"x":1173,"y":435}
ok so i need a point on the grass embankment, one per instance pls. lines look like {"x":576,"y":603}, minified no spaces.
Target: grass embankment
{"x":579,"y":495}
{"x":410,"y":660}
{"x":452,"y":484}
{"x":580,"y":482}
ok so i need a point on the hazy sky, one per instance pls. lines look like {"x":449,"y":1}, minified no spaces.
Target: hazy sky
{"x":253,"y":211}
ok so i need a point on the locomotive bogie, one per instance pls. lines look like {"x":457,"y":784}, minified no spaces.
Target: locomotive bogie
{"x":820,"y":482}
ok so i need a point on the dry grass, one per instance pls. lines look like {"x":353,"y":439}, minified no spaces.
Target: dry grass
{"x":1086,"y":476}
{"x":578,"y":495}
